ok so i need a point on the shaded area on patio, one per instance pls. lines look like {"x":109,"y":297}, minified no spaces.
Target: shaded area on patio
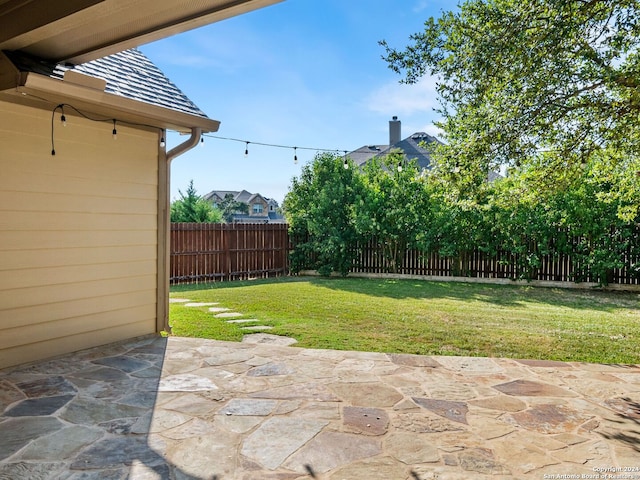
{"x":189,"y":408}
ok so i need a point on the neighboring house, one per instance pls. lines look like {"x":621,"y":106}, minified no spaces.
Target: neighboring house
{"x":260,"y":209}
{"x":413,"y":147}
{"x":84,"y":248}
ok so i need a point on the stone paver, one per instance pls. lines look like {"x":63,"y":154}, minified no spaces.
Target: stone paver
{"x":186,"y":408}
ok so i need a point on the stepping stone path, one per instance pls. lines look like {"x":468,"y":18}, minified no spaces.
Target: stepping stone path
{"x":226,"y":313}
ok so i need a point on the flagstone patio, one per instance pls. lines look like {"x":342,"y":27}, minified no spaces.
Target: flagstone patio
{"x":186,"y":408}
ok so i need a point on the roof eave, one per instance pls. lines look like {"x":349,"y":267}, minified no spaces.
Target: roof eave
{"x":43,"y":91}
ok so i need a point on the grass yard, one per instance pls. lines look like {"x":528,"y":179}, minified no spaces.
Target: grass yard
{"x":429,"y":318}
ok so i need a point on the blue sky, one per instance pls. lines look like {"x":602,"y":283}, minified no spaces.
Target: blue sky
{"x":299,"y":73}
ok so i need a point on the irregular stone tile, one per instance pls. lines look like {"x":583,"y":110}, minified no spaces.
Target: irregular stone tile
{"x":501,"y":403}
{"x":91,"y":411}
{"x":151,"y":372}
{"x":228,"y":358}
{"x":237,"y":424}
{"x":329,"y":450}
{"x":481,"y":460}
{"x":410,"y":448}
{"x":569,"y":438}
{"x":121,"y":426}
{"x":268,"y":339}
{"x":384,"y":468}
{"x":368,"y":421}
{"x":17,"y":432}
{"x":626,"y":407}
{"x":367,"y":394}
{"x":596,"y":453}
{"x":195,"y":427}
{"x":47,"y":387}
{"x":142,"y":399}
{"x":548,"y":418}
{"x":122,"y":362}
{"x":246,"y":406}
{"x":31,"y":471}
{"x":9,"y":394}
{"x":185,"y":382}
{"x":162,"y":420}
{"x":310,"y":391}
{"x":451,"y":390}
{"x":114,"y":452}
{"x":38,"y":406}
{"x":470,"y":365}
{"x":61,"y":444}
{"x":528,"y":388}
{"x":413,"y":360}
{"x":420,"y":423}
{"x":192,"y":404}
{"x":277,"y":438}
{"x":270,"y":369}
{"x":320,"y":411}
{"x":544,"y":363}
{"x":105,"y":474}
{"x":454,"y":411}
{"x":140,"y":471}
{"x":103,"y":374}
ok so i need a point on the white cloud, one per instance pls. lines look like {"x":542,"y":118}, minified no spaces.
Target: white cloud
{"x":402,"y":99}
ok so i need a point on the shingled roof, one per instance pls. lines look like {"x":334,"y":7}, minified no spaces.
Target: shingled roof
{"x":412,"y":147}
{"x":129,"y":74}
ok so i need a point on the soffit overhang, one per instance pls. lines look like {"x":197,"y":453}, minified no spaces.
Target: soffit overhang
{"x":77,"y":31}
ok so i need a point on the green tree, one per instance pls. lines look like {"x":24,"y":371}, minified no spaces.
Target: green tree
{"x":394,"y":208}
{"x":517,"y":77}
{"x":319,"y":208}
{"x":190,"y":207}
{"x":229,"y":206}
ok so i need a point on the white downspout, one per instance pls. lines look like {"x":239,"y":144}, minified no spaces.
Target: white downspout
{"x":164,"y":224}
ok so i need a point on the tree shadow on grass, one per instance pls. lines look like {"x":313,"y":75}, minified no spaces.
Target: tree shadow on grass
{"x":498,"y":295}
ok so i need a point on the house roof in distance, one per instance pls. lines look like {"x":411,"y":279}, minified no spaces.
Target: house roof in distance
{"x":128,"y":74}
{"x":412,"y":147}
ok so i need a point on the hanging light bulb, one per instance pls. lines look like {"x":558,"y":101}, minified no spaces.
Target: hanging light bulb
{"x":63,"y":119}
{"x":114,"y":132}
{"x":246,"y":150}
{"x":202,"y":140}
{"x":295,"y":155}
{"x":399,"y":167}
{"x":162,"y":142}
{"x":345,"y":164}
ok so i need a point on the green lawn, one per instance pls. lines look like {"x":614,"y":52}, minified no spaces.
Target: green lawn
{"x":431,"y":318}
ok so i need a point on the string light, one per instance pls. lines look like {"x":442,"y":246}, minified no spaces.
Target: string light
{"x":345,"y":164}
{"x":294,"y":148}
{"x":114,"y":132}
{"x":202,"y":140}
{"x":399,"y":167}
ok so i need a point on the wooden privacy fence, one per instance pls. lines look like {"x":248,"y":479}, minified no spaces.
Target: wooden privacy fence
{"x":207,"y":252}
{"x":558,"y":267}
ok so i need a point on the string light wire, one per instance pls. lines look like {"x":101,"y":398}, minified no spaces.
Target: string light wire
{"x":275,"y":145}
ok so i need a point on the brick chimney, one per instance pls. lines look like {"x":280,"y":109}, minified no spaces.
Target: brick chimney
{"x":395,"y":134}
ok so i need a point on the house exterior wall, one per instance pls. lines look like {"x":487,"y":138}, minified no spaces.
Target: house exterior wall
{"x":78,"y":234}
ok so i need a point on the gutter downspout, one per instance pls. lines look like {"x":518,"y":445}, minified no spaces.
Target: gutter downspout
{"x":164,"y":224}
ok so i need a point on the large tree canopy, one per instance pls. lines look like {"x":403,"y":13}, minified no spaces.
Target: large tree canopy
{"x":521,"y":77}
